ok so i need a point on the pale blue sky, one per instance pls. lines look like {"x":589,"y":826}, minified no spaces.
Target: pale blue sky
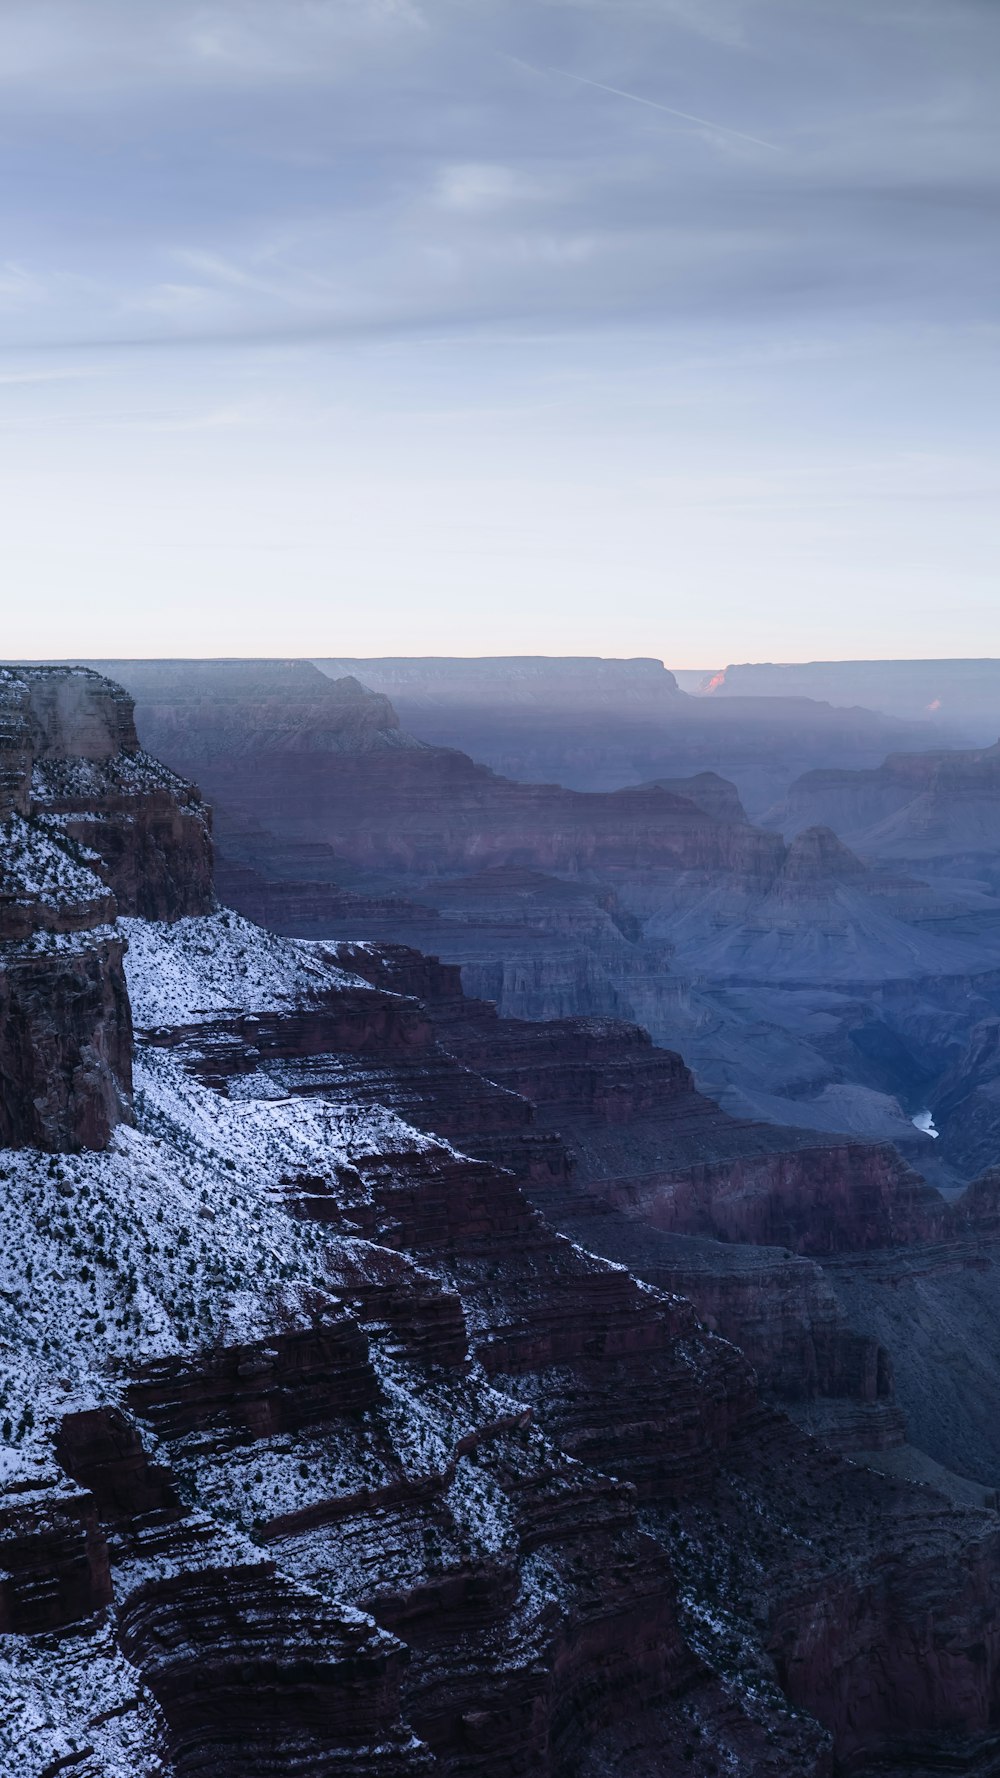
{"x":370,"y":326}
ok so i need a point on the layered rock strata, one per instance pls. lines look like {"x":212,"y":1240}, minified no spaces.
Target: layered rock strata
{"x":803,"y":985}
{"x":366,"y":1469}
{"x":91,"y":827}
{"x":600,"y":724}
{"x":147,"y":829}
{"x":559,"y":1331}
{"x":627,"y":1159}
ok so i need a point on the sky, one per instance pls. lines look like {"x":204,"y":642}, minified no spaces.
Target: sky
{"x":623,"y":327}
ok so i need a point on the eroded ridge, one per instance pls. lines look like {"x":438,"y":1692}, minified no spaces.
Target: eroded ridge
{"x":322,"y":1451}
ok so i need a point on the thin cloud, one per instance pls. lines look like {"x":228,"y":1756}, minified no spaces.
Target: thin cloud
{"x":439,"y":193}
{"x":656,"y":105}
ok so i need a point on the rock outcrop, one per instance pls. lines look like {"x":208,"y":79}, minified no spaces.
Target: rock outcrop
{"x":65,"y":1041}
{"x":147,"y":828}
{"x":323,"y":1450}
{"x":91,"y":827}
{"x":937,"y":811}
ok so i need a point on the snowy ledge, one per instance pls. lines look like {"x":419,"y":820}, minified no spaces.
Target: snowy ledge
{"x":210,"y":964}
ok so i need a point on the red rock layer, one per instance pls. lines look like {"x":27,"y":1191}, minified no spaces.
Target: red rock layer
{"x":834,"y":1198}
{"x":505,"y":1659}
{"x":65,"y":1044}
{"x":253,"y":1677}
{"x":55,"y":1559}
{"x":92,"y":828}
{"x":800,"y":1575}
{"x":147,"y":828}
{"x":647,"y":1142}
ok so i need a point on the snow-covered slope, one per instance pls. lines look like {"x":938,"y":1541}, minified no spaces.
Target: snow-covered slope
{"x":271,"y":1498}
{"x":173,"y":1238}
{"x":38,"y":863}
{"x":201,"y":967}
{"x":160,"y":1256}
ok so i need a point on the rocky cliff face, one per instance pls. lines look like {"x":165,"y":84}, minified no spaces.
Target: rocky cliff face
{"x":889,"y":1278}
{"x":15,"y":759}
{"x":825,"y":1199}
{"x":636,"y":1388}
{"x":939,"y":811}
{"x":827,"y":995}
{"x":92,"y":826}
{"x":330,"y":1540}
{"x":322,"y":1450}
{"x":148,"y":829}
{"x":65,"y":1041}
{"x":71,"y":762}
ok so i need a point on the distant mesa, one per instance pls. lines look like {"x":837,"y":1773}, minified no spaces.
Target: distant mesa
{"x":596,"y":724}
{"x":708,"y":791}
{"x":959,"y":695}
{"x":552,"y":682}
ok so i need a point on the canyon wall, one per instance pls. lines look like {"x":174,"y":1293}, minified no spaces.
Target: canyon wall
{"x":939,"y":811}
{"x":602,"y":724}
{"x":636,"y":1388}
{"x":806,"y":985}
{"x":361,"y":1413}
{"x":92,"y":827}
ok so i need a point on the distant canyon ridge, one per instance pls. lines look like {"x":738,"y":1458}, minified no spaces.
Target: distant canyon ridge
{"x":800,"y":897}
{"x":594,"y":724}
{"x":960,"y":695}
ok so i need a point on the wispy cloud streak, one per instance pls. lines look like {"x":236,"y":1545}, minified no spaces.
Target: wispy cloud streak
{"x":671,"y":111}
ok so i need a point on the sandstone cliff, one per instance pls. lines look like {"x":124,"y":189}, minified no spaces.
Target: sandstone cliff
{"x":91,"y":827}
{"x":324,"y":1451}
{"x":632,"y":1386}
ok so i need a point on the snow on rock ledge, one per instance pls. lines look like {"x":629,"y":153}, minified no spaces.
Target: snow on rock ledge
{"x":173,"y":1239}
{"x":196,"y":969}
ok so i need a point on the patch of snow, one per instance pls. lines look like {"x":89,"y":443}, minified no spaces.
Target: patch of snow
{"x":39,"y":863}
{"x":75,"y":1702}
{"x":210,"y":964}
{"x":173,"y":1238}
{"x":123,"y":774}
